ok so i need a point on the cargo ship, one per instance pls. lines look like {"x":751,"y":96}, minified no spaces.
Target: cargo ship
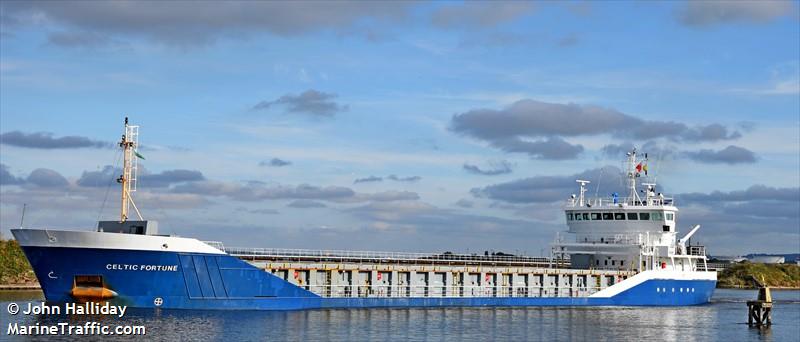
{"x":616,"y":251}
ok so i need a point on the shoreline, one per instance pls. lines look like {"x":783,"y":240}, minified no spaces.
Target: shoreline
{"x":755,"y":288}
{"x":19,"y":287}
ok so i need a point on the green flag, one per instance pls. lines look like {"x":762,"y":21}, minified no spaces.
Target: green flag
{"x":138,"y":155}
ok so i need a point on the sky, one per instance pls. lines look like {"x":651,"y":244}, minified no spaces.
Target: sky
{"x":401,"y":126}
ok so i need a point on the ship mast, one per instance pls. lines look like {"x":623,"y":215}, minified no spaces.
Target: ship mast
{"x":632,"y":174}
{"x":129,"y":143}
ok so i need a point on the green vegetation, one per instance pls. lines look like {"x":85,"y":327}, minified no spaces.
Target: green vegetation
{"x":14,"y":267}
{"x":774,"y":275}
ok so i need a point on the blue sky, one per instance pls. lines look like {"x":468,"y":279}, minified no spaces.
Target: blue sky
{"x":449,"y":104}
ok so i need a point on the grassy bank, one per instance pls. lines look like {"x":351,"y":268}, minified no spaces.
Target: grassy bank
{"x":774,"y":275}
{"x":14,"y":267}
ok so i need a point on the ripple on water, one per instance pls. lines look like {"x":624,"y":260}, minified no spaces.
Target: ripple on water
{"x":723,"y":319}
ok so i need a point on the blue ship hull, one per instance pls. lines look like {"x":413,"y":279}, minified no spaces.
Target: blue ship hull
{"x":213,"y":281}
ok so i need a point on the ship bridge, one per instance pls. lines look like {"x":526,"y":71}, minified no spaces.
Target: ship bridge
{"x":654,"y":213}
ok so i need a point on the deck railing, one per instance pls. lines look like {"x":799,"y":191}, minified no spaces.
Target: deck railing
{"x":215,"y":244}
{"x":600,"y":202}
{"x":455,"y":291}
{"x":382,"y":257}
{"x":696,"y":250}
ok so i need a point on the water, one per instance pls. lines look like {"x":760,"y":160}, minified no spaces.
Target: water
{"x":723,"y":320}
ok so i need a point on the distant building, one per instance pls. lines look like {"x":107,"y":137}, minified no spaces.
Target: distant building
{"x":731,"y":259}
{"x":767,"y":259}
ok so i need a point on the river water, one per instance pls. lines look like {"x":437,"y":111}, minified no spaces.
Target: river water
{"x":722,"y":320}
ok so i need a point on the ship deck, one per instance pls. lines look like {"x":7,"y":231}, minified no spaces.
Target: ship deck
{"x":391,"y":258}
{"x":337,"y":273}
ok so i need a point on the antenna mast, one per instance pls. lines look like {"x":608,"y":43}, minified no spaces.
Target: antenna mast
{"x":22,"y":220}
{"x":129,"y":143}
{"x":632,"y":174}
{"x":582,"y":198}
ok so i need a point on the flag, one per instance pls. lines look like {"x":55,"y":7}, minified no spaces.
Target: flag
{"x":136,"y":153}
{"x":644,"y":167}
{"x":639,"y":167}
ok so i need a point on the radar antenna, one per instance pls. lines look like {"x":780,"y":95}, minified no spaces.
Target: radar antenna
{"x":583,"y":190}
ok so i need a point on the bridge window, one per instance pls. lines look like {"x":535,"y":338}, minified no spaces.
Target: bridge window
{"x":644,"y":216}
{"x":656,"y":216}
{"x":608,"y":216}
{"x":619,"y":216}
{"x":569,"y":216}
{"x":670,"y":216}
{"x":633,"y":216}
{"x":586,"y":216}
{"x":577,"y":217}
{"x":595,"y":216}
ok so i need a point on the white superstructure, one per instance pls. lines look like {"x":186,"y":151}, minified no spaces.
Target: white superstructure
{"x":636,"y":232}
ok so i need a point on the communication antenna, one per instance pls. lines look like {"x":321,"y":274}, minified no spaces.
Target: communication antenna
{"x":658,"y":162}
{"x":22,"y":220}
{"x":599,"y":178}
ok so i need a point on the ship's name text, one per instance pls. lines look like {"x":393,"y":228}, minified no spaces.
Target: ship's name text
{"x":141,"y":267}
